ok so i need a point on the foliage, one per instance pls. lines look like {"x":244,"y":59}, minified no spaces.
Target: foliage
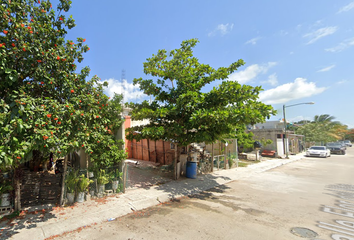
{"x":71,"y":180}
{"x":265,"y":141}
{"x":244,"y":137}
{"x":350,"y":135}
{"x":181,"y":112}
{"x":231,"y":162}
{"x":102,"y":177}
{"x":115,"y":175}
{"x":45,"y":104}
{"x":108,"y":156}
{"x":83,"y":183}
{"x":5,"y":187}
{"x":322,"y":129}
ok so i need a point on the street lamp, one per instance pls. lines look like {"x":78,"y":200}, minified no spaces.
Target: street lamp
{"x":285,"y":137}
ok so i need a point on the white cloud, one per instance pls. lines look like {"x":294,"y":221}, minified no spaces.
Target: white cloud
{"x":326,"y":68}
{"x":130,"y":92}
{"x":250,"y":72}
{"x":272,"y":79}
{"x":342,"y":82}
{"x":342,"y":46}
{"x":222,"y":29}
{"x":253,"y":41}
{"x":298,"y":89}
{"x":346,"y":8}
{"x":298,"y":119}
{"x":319,"y":33}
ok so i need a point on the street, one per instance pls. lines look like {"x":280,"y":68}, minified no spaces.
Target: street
{"x":301,"y":199}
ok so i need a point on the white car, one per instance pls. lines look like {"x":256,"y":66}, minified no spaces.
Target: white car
{"x":318,"y":151}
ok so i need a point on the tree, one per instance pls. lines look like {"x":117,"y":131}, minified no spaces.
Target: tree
{"x":322,"y":129}
{"x":45,"y":105}
{"x":181,"y":112}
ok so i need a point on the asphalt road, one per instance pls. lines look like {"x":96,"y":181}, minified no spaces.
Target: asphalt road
{"x":301,"y":199}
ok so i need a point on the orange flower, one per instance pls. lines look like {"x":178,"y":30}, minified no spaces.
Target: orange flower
{"x":61,"y":19}
{"x":1,"y":45}
{"x":42,"y":82}
{"x":71,"y":113}
{"x":49,"y":115}
{"x":59,"y":122}
{"x":84,"y":40}
{"x":97,"y":116}
{"x":18,"y":157}
{"x":66,"y":106}
{"x":72,"y":91}
{"x":5,"y":31}
{"x":82,"y":114}
{"x":98,"y":141}
{"x":24,"y":49}
{"x":39,"y":61}
{"x":82,"y":145}
{"x":55,"y":119}
{"x":58,"y":57}
{"x":13,"y":45}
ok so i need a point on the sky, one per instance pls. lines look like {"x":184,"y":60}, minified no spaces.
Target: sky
{"x":298,"y":51}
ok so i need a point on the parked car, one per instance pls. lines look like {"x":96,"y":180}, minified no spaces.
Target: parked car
{"x":348,"y":143}
{"x":343,"y":144}
{"x":318,"y":151}
{"x":336,"y":148}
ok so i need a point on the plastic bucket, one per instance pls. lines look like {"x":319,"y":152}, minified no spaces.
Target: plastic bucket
{"x":5,"y":199}
{"x":80,"y":198}
{"x":70,"y":197}
{"x":191,"y":170}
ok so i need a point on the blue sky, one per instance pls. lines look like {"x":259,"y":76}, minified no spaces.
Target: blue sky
{"x":298,"y":51}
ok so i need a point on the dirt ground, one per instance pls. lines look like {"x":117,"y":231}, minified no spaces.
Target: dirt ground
{"x":266,"y":206}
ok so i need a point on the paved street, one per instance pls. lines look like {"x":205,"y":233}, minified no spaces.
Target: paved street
{"x":263,"y":205}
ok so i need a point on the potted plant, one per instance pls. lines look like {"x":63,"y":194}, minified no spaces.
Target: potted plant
{"x":5,"y":189}
{"x":102,"y":180}
{"x":90,"y":173}
{"x":114,"y":177}
{"x":82,"y":186}
{"x":71,"y":184}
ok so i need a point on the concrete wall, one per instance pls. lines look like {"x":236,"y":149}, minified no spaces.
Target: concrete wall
{"x":271,"y":134}
{"x":269,"y":125}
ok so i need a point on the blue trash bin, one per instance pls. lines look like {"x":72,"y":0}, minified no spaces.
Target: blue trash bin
{"x":191,"y":170}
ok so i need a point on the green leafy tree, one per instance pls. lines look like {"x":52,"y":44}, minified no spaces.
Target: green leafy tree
{"x":45,"y":104}
{"x":181,"y":112}
{"x":322,"y":129}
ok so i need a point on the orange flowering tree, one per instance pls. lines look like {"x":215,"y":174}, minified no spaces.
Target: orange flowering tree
{"x":45,"y":103}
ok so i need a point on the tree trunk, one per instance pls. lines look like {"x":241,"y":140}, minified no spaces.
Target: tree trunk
{"x":125,"y":166}
{"x":17,"y":182}
{"x":61,"y":203}
{"x":87,"y":166}
{"x":175,"y":161}
{"x":212,"y":158}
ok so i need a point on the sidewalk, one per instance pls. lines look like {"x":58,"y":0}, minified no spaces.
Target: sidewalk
{"x":46,"y":222}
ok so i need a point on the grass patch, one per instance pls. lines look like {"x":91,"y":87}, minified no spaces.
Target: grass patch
{"x":10,"y":216}
{"x":242,"y":164}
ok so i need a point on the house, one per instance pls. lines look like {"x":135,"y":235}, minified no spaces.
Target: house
{"x":274,"y":130}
